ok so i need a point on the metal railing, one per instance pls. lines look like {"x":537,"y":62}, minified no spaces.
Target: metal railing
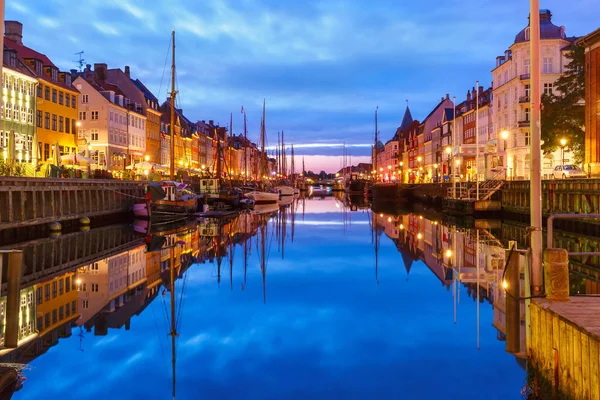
{"x":550,"y":222}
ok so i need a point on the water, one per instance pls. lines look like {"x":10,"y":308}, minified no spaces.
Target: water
{"x":339,"y":312}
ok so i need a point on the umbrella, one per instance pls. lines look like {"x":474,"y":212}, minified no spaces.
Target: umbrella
{"x":57,"y":158}
{"x":11,"y":146}
{"x":75,"y":159}
{"x":145,"y":165}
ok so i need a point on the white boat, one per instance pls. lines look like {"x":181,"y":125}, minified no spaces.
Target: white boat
{"x":262,"y":197}
{"x":264,"y":208}
{"x":320,"y":190}
{"x":296,"y":191}
{"x":285,"y":190}
{"x":286,"y":201}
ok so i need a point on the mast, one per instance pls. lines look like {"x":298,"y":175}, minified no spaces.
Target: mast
{"x":374,"y":156}
{"x":262,"y":142}
{"x":245,"y":149}
{"x":230,"y":143}
{"x":230,"y":258}
{"x":283,"y":158}
{"x":263,"y":265}
{"x":173,"y":324}
{"x":173,"y":93}
{"x":219,"y":167}
{"x":293,"y":168}
{"x":278,"y":155}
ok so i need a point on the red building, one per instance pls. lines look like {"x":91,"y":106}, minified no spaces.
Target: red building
{"x":591,"y":43}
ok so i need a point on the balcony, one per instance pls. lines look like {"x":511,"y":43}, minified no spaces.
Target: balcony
{"x":524,"y":77}
{"x":524,"y":99}
{"x":524,"y":124}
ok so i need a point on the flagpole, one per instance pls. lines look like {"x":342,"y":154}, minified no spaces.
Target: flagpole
{"x":477,"y":136}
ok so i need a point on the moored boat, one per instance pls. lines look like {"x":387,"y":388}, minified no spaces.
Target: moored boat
{"x":285,"y":190}
{"x":261,"y":197}
{"x":166,"y":200}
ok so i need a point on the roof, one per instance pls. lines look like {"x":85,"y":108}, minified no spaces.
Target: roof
{"x":147,"y":93}
{"x":547,"y":29}
{"x":590,"y":39}
{"x":25,"y":53}
{"x":19,"y":67}
{"x":406,"y":120}
{"x":449,"y":114}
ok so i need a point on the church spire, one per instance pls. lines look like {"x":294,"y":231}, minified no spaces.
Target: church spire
{"x":407,"y":120}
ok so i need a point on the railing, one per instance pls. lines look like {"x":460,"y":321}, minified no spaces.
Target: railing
{"x":469,"y":190}
{"x":524,"y":124}
{"x":524,"y":77}
{"x":524,"y":99}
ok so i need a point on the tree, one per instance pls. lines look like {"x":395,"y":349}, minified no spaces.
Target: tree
{"x":563,"y":113}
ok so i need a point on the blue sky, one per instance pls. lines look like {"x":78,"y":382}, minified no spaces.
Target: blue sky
{"x":327,"y":331}
{"x":323,"y":66}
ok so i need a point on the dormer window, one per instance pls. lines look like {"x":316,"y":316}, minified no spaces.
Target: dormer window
{"x":54,"y":73}
{"x":527,"y":33}
{"x":38,"y":67}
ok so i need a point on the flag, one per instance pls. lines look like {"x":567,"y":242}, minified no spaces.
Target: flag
{"x":242,"y":110}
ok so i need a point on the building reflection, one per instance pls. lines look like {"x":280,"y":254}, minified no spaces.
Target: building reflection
{"x":99,"y":279}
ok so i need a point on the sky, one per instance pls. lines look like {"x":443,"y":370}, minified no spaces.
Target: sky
{"x":322,"y":66}
{"x":328,"y":330}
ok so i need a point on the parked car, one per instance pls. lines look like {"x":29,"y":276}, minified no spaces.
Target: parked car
{"x":568,"y":171}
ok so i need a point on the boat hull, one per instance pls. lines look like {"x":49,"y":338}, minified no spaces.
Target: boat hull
{"x":285,"y":190}
{"x":164,"y":209}
{"x":263,"y":197}
{"x":356,"y":186}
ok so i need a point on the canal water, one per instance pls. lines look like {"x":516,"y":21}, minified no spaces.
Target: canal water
{"x":316,"y":300}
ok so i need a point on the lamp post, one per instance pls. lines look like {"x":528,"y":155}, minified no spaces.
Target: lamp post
{"x":401,"y":171}
{"x":504,"y":136}
{"x":419,"y":159}
{"x":448,"y":152}
{"x":563,"y":143}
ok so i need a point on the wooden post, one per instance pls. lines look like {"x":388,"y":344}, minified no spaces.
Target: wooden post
{"x":512,"y":277}
{"x":13,"y":297}
{"x":556,"y":274}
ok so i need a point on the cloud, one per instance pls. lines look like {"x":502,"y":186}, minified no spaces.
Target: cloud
{"x":105,"y":29}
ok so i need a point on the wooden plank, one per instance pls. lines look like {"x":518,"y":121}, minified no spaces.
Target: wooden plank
{"x":576,"y":362}
{"x":594,"y":370}
{"x":23,"y":196}
{"x":10,"y":207}
{"x":562,"y":357}
{"x":585,"y":367}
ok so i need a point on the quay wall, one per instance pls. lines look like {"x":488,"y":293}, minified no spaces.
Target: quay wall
{"x":36,"y":201}
{"x":565,"y":349}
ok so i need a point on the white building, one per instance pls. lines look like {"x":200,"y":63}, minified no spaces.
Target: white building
{"x":111,"y":126}
{"x":512,"y":96}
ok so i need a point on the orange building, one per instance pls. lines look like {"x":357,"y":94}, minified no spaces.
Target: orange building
{"x":56,"y":302}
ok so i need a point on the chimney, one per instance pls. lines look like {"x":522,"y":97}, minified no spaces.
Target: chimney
{"x":74,"y":72}
{"x":468,"y":95}
{"x":447,"y":96}
{"x":88,"y":68}
{"x":127,"y":72}
{"x":211,"y":121}
{"x":14,"y":31}
{"x":100,"y":71}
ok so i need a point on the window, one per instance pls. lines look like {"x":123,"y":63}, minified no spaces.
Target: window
{"x":73,"y":126}
{"x":47,"y":320}
{"x":61,"y":313}
{"x":30,"y":116}
{"x":73,"y":307}
{"x":82,"y":115}
{"x":527,"y":66}
{"x":73,"y":102}
{"x":67,"y":284}
{"x":47,"y":120}
{"x":547,"y":66}
{"x":548,"y":89}
{"x":84,"y":304}
{"x":84,"y":287}
{"x":94,"y":287}
{"x":61,"y":287}
{"x":39,"y":323}
{"x":40,"y":88}
{"x":527,"y":88}
{"x":53,"y":122}
{"x":68,"y":310}
{"x":94,"y":115}
{"x":47,"y":93}
{"x":47,"y":291}
{"x":54,"y":316}
{"x":527,"y":33}
{"x":67,"y":100}
{"x":527,"y":114}
{"x":46,"y":154}
{"x":68,"y":125}
{"x":60,"y":98}
{"x":94,"y":133}
{"x":8,"y":111}
{"x":54,"y":95}
{"x":16,"y":113}
{"x":84,"y":98}
{"x":505,"y":99}
{"x":61,"y":124}
{"x":38,"y":296}
{"x":54,"y":289}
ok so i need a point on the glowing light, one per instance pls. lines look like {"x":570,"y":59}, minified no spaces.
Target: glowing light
{"x":448,"y":150}
{"x":147,"y":157}
{"x":505,"y":284}
{"x":419,"y":236}
{"x":504,"y":135}
{"x":78,"y":281}
{"x":389,"y":219}
{"x":448,"y":253}
{"x":563,"y":142}
{"x":419,"y":159}
{"x":401,"y":227}
{"x":381,"y":215}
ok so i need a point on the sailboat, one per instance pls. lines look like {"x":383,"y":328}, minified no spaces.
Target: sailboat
{"x":262,"y":196}
{"x":284,"y":189}
{"x":168,"y":199}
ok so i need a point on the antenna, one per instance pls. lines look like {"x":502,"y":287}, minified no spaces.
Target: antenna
{"x":81,"y":61}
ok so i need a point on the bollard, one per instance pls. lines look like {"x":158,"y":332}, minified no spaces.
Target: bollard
{"x":13,"y":299}
{"x":55,"y":226}
{"x":84,"y":220}
{"x":556,"y":274}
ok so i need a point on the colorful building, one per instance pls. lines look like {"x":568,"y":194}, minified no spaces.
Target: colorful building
{"x":57,"y":99}
{"x":591,"y":43}
{"x":56,"y":301}
{"x":17,"y":116}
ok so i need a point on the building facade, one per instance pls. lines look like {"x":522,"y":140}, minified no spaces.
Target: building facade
{"x":591,"y":43}
{"x":57,"y":100}
{"x":511,"y":93}
{"x":112,"y":127}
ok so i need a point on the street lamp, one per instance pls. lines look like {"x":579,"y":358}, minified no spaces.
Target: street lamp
{"x":563,"y":143}
{"x":147,"y":157}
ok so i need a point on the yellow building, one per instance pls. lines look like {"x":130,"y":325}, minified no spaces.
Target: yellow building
{"x":56,"y":113}
{"x":56,"y":302}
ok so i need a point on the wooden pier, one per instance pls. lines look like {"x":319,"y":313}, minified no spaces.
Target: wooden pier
{"x":565,"y":347}
{"x":36,"y":201}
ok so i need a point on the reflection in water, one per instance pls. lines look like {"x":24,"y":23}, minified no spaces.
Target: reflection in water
{"x":356,"y":299}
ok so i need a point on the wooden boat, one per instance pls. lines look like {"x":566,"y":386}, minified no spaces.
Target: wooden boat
{"x":166,"y":200}
{"x":285,"y":190}
{"x":355,"y":184}
{"x":261,"y":197}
